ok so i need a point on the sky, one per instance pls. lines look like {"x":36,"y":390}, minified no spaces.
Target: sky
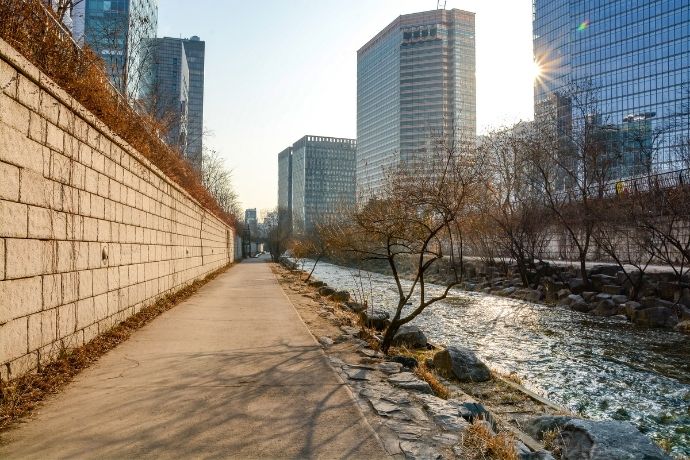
{"x":277,"y":70}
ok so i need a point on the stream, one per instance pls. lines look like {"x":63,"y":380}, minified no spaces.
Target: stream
{"x":601,"y":368}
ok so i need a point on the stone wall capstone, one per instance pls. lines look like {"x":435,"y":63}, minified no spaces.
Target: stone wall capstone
{"x":90,"y":231}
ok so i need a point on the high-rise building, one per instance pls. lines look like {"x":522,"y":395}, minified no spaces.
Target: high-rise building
{"x":633,"y":58}
{"x":168,"y":95}
{"x":176,"y":92}
{"x":195,"y":50}
{"x":316,"y":180}
{"x":285,"y":181}
{"x":119,"y":31}
{"x":415,"y":83}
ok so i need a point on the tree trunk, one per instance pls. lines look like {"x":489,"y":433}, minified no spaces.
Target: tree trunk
{"x":388,"y":336}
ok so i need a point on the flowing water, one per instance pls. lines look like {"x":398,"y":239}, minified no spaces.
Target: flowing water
{"x":602,"y":368}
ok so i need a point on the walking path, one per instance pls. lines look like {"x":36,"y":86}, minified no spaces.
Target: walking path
{"x":231,"y":372}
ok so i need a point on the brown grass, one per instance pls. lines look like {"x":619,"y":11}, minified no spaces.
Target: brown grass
{"x":19,"y":397}
{"x":28,"y":27}
{"x":481,"y":443}
{"x":429,"y":377}
{"x":553,"y":442}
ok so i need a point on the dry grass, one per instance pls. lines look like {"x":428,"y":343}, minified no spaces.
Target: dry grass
{"x":553,"y":441}
{"x":429,"y":377}
{"x":20,"y":396}
{"x":28,"y":28}
{"x":481,"y":443}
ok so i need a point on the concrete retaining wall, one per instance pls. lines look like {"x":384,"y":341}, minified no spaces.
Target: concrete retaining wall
{"x":90,"y":231}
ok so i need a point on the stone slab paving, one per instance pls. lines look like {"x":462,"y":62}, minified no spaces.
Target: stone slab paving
{"x":231,"y":372}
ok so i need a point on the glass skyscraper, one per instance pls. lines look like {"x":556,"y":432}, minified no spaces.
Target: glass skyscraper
{"x":634,"y":57}
{"x":316,"y":179}
{"x":168,"y":98}
{"x":119,"y":31}
{"x":195,"y":51}
{"x":415,"y":82}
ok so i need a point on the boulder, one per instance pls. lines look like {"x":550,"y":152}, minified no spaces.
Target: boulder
{"x":355,"y":307}
{"x":411,"y":336}
{"x":576,"y":285}
{"x":599,"y":281}
{"x":605,"y":440}
{"x":537,"y":426}
{"x":472,"y":411}
{"x":683,"y":326}
{"x":656,"y":317}
{"x":326,"y":291}
{"x":602,"y":296}
{"x":507,"y":291}
{"x":582,"y":307}
{"x":462,"y":363}
{"x":563,"y":293}
{"x":551,"y":290}
{"x":588,"y":295}
{"x":340,"y":296}
{"x":316,"y":284}
{"x":685,"y":297}
{"x":619,"y":299}
{"x":607,"y":270}
{"x":377,"y":319}
{"x":605,"y":307}
{"x":612,"y":289}
{"x":668,"y":290}
{"x":571,"y":299}
{"x":684,"y":312}
{"x":531,"y":295}
{"x":407,"y":361}
{"x":631,"y":308}
{"x":409,"y":381}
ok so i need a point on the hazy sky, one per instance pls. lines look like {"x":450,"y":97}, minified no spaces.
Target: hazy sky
{"x":279,"y":69}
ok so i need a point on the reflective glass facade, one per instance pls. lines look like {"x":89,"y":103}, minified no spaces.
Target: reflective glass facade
{"x":170,"y":90}
{"x":322,"y":179}
{"x":119,"y":31}
{"x":636,"y":57}
{"x":195,"y":50}
{"x":285,"y":180}
{"x":415,"y":81}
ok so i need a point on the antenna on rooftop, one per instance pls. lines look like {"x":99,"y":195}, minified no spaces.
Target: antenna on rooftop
{"x":438,"y":4}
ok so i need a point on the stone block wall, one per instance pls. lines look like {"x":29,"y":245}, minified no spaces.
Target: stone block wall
{"x":90,"y":231}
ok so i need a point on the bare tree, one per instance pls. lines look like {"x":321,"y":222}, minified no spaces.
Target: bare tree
{"x":415,"y":222}
{"x":278,"y":233}
{"x":217,"y":179}
{"x":575,"y":166}
{"x":512,"y":205}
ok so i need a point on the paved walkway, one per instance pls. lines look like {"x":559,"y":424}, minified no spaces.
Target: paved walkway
{"x":232,"y":372}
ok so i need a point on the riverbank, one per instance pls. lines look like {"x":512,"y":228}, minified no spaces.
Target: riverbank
{"x":511,"y":407}
{"x":599,"y":368}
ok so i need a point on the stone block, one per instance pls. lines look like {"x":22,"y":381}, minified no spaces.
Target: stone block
{"x":23,"y":365}
{"x":2,"y":259}
{"x":66,"y":320}
{"x":28,"y":93}
{"x":55,"y":138}
{"x":113,"y":278}
{"x":37,"y":128}
{"x":113,"y":302}
{"x":52,"y":291}
{"x":35,"y":189}
{"x":26,"y":258}
{"x":8,"y":79}
{"x":49,"y":107}
{"x":9,"y":185}
{"x":100,"y":281}
{"x":13,"y":219}
{"x":78,"y":175}
{"x":103,"y":183}
{"x":85,"y":313}
{"x":85,"y":284}
{"x":47,"y":224}
{"x":34,"y":332}
{"x":66,"y":256}
{"x":20,"y":297}
{"x":13,"y":340}
{"x":14,"y":115}
{"x":95,"y":254}
{"x":90,"y":180}
{"x":100,"y":305}
{"x":70,"y":287}
{"x":104,"y":231}
{"x":60,"y":168}
{"x":75,"y":227}
{"x":90,"y":229}
{"x":90,"y":332}
{"x":97,"y":206}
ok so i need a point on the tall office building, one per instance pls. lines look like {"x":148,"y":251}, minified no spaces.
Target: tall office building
{"x":415,"y":82}
{"x":195,"y":50}
{"x":285,"y":181}
{"x":119,"y":31}
{"x":316,"y":180}
{"x":634,"y":58}
{"x":168,"y":96}
{"x":176,"y":92}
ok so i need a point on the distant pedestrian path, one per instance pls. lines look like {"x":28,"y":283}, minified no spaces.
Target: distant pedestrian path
{"x":231,"y":372}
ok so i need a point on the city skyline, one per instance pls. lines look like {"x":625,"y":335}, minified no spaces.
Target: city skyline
{"x":270,"y":92}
